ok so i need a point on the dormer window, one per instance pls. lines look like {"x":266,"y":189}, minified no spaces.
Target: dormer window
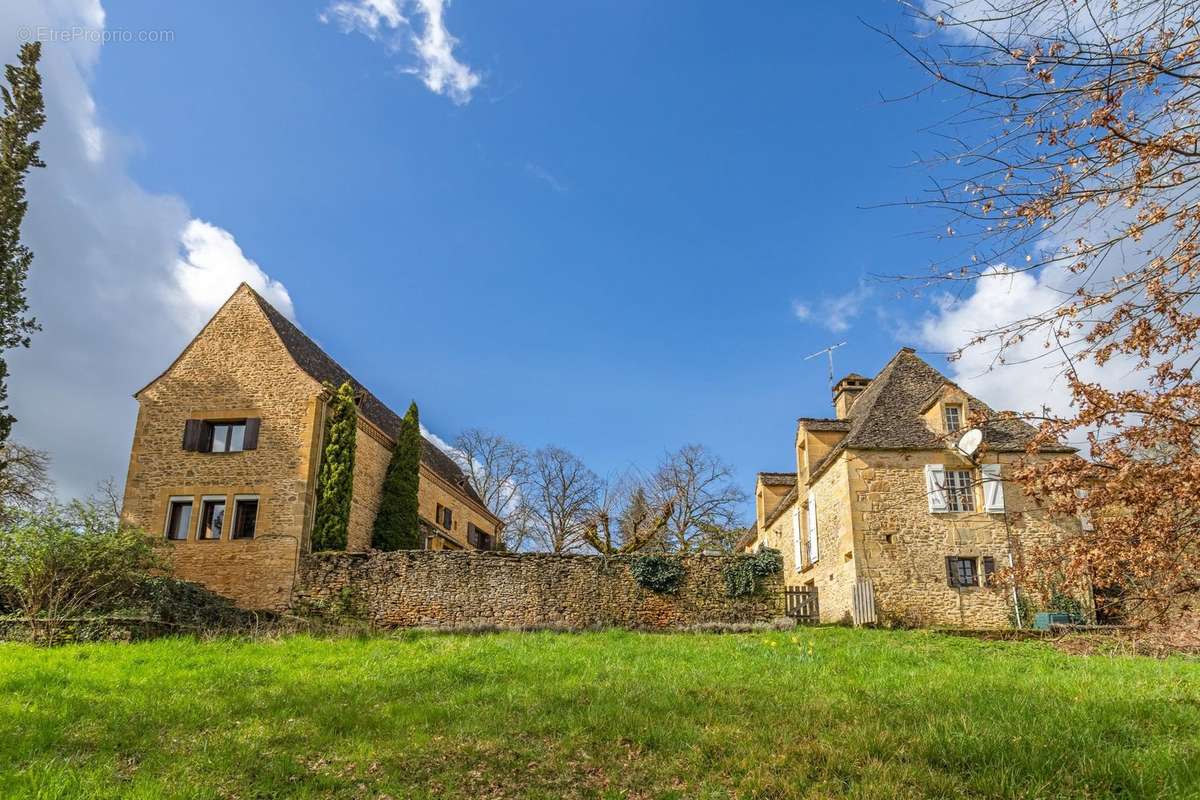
{"x":952,"y":417}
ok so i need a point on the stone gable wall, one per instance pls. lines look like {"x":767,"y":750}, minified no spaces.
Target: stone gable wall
{"x":236,"y":367}
{"x":523,"y":590}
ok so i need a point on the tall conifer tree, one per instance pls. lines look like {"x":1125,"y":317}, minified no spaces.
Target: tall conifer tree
{"x":397,"y":521}
{"x":335,"y":483}
{"x":22,"y":116}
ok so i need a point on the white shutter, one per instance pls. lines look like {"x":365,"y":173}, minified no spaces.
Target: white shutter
{"x":993,"y":488}
{"x":813,"y":550}
{"x":1085,"y":519}
{"x":935,"y":487}
{"x":797,"y":553}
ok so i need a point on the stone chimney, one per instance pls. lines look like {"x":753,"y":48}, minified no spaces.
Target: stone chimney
{"x":845,"y":391}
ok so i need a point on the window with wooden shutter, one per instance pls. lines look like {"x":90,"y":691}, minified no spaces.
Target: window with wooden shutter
{"x":989,"y":569}
{"x":993,"y":488}
{"x":193,"y":434}
{"x":250,"y":437}
{"x":935,"y":487}
{"x":961,"y":572}
{"x":813,"y":548}
{"x":797,"y":552}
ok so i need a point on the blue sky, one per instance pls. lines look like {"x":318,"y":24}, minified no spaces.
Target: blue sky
{"x":602,"y":247}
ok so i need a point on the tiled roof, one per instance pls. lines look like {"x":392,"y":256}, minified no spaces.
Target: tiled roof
{"x":887,"y":415}
{"x":321,"y":367}
{"x":777,"y":478}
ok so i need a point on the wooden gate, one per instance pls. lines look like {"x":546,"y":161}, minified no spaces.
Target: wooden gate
{"x":800,"y":603}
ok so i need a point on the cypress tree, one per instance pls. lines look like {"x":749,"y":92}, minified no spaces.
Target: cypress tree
{"x":21,"y":117}
{"x":396,"y":522}
{"x":335,"y":482}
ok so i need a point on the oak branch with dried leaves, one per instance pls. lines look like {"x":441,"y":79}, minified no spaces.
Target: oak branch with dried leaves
{"x":1072,"y":154}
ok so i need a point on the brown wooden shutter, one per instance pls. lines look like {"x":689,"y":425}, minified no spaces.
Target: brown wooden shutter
{"x":950,"y":570}
{"x":193,"y":433}
{"x":250,"y":439}
{"x":989,"y":566}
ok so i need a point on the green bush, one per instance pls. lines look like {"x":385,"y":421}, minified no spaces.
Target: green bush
{"x":176,"y":602}
{"x":657,"y":573}
{"x":335,"y":483}
{"x":65,"y":561}
{"x":397,"y":521}
{"x":743,"y":573}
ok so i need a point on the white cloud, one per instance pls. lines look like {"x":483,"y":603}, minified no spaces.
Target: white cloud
{"x":1010,"y":21}
{"x":211,"y":263}
{"x":368,"y":17}
{"x":1030,"y":375}
{"x":120,"y":276}
{"x":384,"y":21}
{"x":835,"y":312}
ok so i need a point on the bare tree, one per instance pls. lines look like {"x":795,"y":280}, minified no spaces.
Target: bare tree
{"x":560,"y":500}
{"x":24,"y":482}
{"x":704,"y":500}
{"x":499,"y":471}
{"x":1073,"y":155}
{"x":623,"y":520}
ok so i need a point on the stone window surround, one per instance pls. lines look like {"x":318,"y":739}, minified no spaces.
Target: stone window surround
{"x":200,"y":493}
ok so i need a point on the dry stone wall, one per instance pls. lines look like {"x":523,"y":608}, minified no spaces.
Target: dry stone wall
{"x":523,"y":590}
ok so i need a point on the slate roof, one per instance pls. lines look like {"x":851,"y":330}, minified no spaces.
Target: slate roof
{"x":321,"y":367}
{"x":815,"y":424}
{"x":777,"y":478}
{"x":887,"y":415}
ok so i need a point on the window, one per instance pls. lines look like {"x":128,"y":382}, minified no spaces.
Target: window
{"x":179,"y":518}
{"x":226,"y":437}
{"x":221,"y":436}
{"x":477,"y":538}
{"x":952,"y":415}
{"x":445,"y":517}
{"x":960,"y":493}
{"x":961,"y":571}
{"x":212,"y":518}
{"x":245,"y":517}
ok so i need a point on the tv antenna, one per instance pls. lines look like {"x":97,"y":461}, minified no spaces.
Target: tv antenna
{"x":828,"y":351}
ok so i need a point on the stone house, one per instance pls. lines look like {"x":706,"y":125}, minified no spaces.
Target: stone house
{"x":227,"y":446}
{"x":883,"y":505}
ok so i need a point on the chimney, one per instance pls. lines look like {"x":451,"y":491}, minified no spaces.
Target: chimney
{"x":845,"y":391}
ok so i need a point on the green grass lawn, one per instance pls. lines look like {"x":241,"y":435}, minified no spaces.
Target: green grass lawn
{"x":824,"y":712}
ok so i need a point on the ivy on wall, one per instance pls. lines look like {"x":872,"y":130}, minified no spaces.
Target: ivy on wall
{"x":657,"y":573}
{"x":335,"y":482}
{"x":743,"y":573}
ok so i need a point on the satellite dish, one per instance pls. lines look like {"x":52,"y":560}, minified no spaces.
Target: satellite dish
{"x":969,"y":442}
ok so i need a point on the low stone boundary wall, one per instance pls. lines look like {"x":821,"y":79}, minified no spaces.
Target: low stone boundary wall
{"x":523,"y":590}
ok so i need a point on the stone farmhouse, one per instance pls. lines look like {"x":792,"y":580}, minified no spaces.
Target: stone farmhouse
{"x":227,"y":447}
{"x":885,"y":517}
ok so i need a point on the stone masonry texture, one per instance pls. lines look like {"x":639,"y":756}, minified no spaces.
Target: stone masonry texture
{"x":523,"y":590}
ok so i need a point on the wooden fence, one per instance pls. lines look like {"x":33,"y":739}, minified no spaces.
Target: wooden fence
{"x":801,"y":603}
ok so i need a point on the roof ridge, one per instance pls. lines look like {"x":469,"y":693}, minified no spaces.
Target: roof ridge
{"x":312,"y":359}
